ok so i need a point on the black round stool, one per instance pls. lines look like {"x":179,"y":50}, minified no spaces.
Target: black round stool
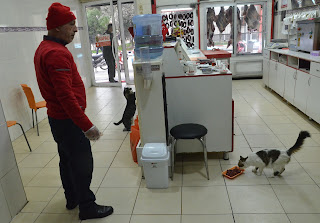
{"x":189,"y":131}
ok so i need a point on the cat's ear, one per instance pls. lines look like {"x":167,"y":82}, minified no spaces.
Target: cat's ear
{"x":243,"y":158}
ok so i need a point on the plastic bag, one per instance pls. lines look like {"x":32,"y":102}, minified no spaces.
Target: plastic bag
{"x":134,"y":139}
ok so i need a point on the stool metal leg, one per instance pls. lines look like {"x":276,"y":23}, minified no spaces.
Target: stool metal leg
{"x":225,"y":155}
{"x":25,"y":137}
{"x":203,"y":141}
{"x":173,"y":157}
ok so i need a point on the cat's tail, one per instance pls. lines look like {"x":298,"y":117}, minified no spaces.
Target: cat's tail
{"x":297,"y":146}
{"x":118,"y":123}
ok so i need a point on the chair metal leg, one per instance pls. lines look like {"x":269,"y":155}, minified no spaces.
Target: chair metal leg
{"x":173,"y":157}
{"x":32,"y":118}
{"x":37,"y":123}
{"x":203,"y":141}
{"x":25,"y":137}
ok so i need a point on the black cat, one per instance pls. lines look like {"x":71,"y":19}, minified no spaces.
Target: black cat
{"x":129,"y":110}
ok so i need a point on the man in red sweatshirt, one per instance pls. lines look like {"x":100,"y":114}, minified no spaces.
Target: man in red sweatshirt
{"x":62,"y":88}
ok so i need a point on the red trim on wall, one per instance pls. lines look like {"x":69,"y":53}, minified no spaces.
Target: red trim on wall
{"x":293,"y":67}
{"x":272,"y":20}
{"x":304,"y":71}
{"x":154,"y":6}
{"x":199,"y":24}
{"x":232,"y":125}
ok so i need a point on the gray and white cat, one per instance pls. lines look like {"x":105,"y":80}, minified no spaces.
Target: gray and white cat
{"x":272,"y":158}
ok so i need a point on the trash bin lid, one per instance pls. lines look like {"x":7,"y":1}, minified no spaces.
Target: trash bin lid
{"x":154,"y":151}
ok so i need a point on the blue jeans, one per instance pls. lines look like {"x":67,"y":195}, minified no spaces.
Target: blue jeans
{"x":76,"y":161}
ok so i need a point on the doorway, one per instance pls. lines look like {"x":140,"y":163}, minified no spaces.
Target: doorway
{"x":99,"y":15}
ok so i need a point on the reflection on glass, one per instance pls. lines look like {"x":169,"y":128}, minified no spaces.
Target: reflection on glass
{"x":219,"y":28}
{"x":127,"y":13}
{"x":251,"y":29}
{"x":303,"y":3}
{"x":98,"y":18}
{"x":180,"y":24}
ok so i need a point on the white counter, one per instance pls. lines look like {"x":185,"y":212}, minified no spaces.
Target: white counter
{"x":301,"y":55}
{"x":204,"y":99}
{"x":295,"y":76}
{"x":189,"y":98}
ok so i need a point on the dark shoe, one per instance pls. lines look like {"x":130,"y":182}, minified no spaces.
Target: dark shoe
{"x":96,"y":211}
{"x":71,"y":205}
{"x":113,"y":81}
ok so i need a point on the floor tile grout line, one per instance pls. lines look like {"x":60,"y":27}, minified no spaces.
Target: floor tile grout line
{"x":38,"y":172}
{"x":182,"y":169}
{"x":279,"y":202}
{"x":281,"y":143}
{"x":110,"y":164}
{"x":50,"y":201}
{"x":268,"y":179}
{"x":140,"y":182}
{"x":225,"y":185}
{"x":263,"y":120}
{"x":307,"y":173}
{"x":295,"y":109}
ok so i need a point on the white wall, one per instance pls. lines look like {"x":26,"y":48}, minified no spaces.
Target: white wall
{"x":144,"y":7}
{"x":12,"y":194}
{"x":170,"y":2}
{"x":17,"y":52}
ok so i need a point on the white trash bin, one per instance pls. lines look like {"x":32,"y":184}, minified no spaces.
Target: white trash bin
{"x":155,"y":159}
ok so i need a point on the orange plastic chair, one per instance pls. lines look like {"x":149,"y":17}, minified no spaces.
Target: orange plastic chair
{"x":12,"y":123}
{"x":33,"y":104}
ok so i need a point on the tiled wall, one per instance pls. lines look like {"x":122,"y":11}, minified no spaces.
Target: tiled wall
{"x":22,"y":26}
{"x":12,"y":195}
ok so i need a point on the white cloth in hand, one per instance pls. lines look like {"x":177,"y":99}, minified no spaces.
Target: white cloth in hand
{"x":93,"y":133}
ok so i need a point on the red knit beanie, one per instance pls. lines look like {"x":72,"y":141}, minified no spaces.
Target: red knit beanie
{"x":58,"y":15}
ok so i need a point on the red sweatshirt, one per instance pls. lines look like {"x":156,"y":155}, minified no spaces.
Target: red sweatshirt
{"x":60,"y":83}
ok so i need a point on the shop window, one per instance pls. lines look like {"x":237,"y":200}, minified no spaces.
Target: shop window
{"x":219,"y":28}
{"x":248,"y":35}
{"x":180,"y":23}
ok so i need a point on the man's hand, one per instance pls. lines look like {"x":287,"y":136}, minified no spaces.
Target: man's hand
{"x":93,"y":133}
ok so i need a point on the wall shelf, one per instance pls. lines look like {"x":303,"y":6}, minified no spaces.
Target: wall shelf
{"x":304,"y":65}
{"x":293,"y":62}
{"x":283,"y":59}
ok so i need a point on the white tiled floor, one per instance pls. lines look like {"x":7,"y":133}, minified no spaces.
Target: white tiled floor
{"x":262,"y":120}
